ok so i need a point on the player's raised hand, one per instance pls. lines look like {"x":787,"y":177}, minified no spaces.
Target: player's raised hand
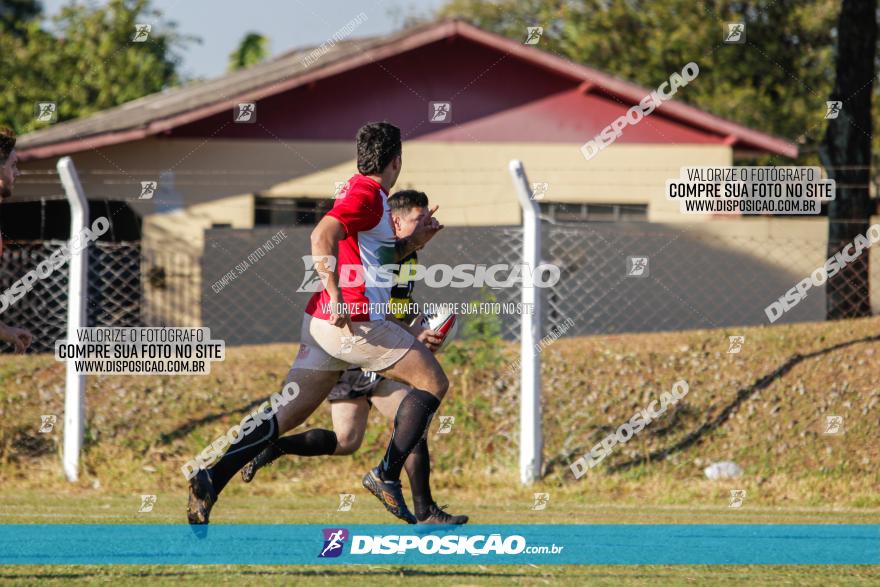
{"x":426,"y":228}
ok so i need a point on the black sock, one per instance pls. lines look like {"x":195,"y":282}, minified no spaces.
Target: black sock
{"x":239,"y":454}
{"x":410,"y":422}
{"x":310,"y":443}
{"x":418,"y":469}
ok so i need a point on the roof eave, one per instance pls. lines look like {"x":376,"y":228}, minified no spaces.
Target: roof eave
{"x":344,"y":63}
{"x":741,"y":137}
{"x":608,"y":84}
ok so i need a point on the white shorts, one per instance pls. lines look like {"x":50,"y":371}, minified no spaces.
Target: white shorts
{"x":371,"y":345}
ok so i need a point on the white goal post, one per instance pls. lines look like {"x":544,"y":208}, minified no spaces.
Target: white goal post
{"x":530,"y":440}
{"x":77,"y":300}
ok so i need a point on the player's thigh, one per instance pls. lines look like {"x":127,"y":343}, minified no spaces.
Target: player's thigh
{"x":388,"y":395}
{"x":313,"y":385}
{"x":349,"y":423}
{"x":419,"y":368}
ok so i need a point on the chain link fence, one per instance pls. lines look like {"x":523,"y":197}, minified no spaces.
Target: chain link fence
{"x":640,"y":278}
{"x":614,"y":278}
{"x":126,"y":287}
{"x":686,"y":277}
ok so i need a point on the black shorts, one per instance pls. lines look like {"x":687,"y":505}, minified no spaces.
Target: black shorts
{"x":354,"y":383}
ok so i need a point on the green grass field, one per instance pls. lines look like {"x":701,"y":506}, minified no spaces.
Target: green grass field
{"x":763,"y":408}
{"x":458,"y":576}
{"x":312,"y":509}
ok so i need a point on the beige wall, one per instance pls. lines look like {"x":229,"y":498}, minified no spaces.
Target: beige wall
{"x":471,"y":183}
{"x":214,"y":180}
{"x":794,"y":245}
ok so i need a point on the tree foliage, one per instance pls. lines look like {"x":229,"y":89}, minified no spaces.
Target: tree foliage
{"x":86,"y":61}
{"x":15,"y":14}
{"x":778,"y":81}
{"x":253,"y":49}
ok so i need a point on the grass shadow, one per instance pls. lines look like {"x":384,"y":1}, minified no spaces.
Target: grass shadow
{"x":741,"y":396}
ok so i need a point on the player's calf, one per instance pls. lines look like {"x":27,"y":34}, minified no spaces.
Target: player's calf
{"x":311,"y":443}
{"x":420,"y":369}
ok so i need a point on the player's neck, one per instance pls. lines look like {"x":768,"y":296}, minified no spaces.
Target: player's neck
{"x":382,"y":181}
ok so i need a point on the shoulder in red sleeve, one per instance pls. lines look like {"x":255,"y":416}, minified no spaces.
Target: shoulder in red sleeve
{"x":360,"y":206}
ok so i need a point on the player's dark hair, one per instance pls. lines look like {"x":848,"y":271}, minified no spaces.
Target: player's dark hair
{"x":7,"y":144}
{"x":378,"y":143}
{"x":406,"y":200}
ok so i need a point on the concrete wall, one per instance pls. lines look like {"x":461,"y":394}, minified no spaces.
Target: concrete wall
{"x":707,"y":275}
{"x":213,"y":182}
{"x":471,"y":183}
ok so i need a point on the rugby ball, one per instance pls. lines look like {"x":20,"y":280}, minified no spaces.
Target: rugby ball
{"x":443,"y":322}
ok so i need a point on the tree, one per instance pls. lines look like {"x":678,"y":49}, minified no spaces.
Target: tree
{"x":88,"y":62}
{"x":253,"y":49}
{"x":15,"y":14}
{"x":776,"y":82}
{"x":846,"y":154}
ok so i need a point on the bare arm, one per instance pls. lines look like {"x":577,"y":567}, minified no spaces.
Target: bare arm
{"x":325,"y":243}
{"x":430,"y":338}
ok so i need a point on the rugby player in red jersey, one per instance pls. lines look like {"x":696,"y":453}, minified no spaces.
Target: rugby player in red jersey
{"x":346,"y":326}
{"x":357,"y":391}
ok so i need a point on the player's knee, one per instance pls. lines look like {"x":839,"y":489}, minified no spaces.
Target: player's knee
{"x":439,"y":384}
{"x":347,"y":442}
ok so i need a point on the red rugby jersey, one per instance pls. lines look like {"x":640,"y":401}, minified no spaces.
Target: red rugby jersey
{"x":362,"y":208}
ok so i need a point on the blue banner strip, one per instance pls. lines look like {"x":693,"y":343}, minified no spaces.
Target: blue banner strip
{"x":694,"y":544}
